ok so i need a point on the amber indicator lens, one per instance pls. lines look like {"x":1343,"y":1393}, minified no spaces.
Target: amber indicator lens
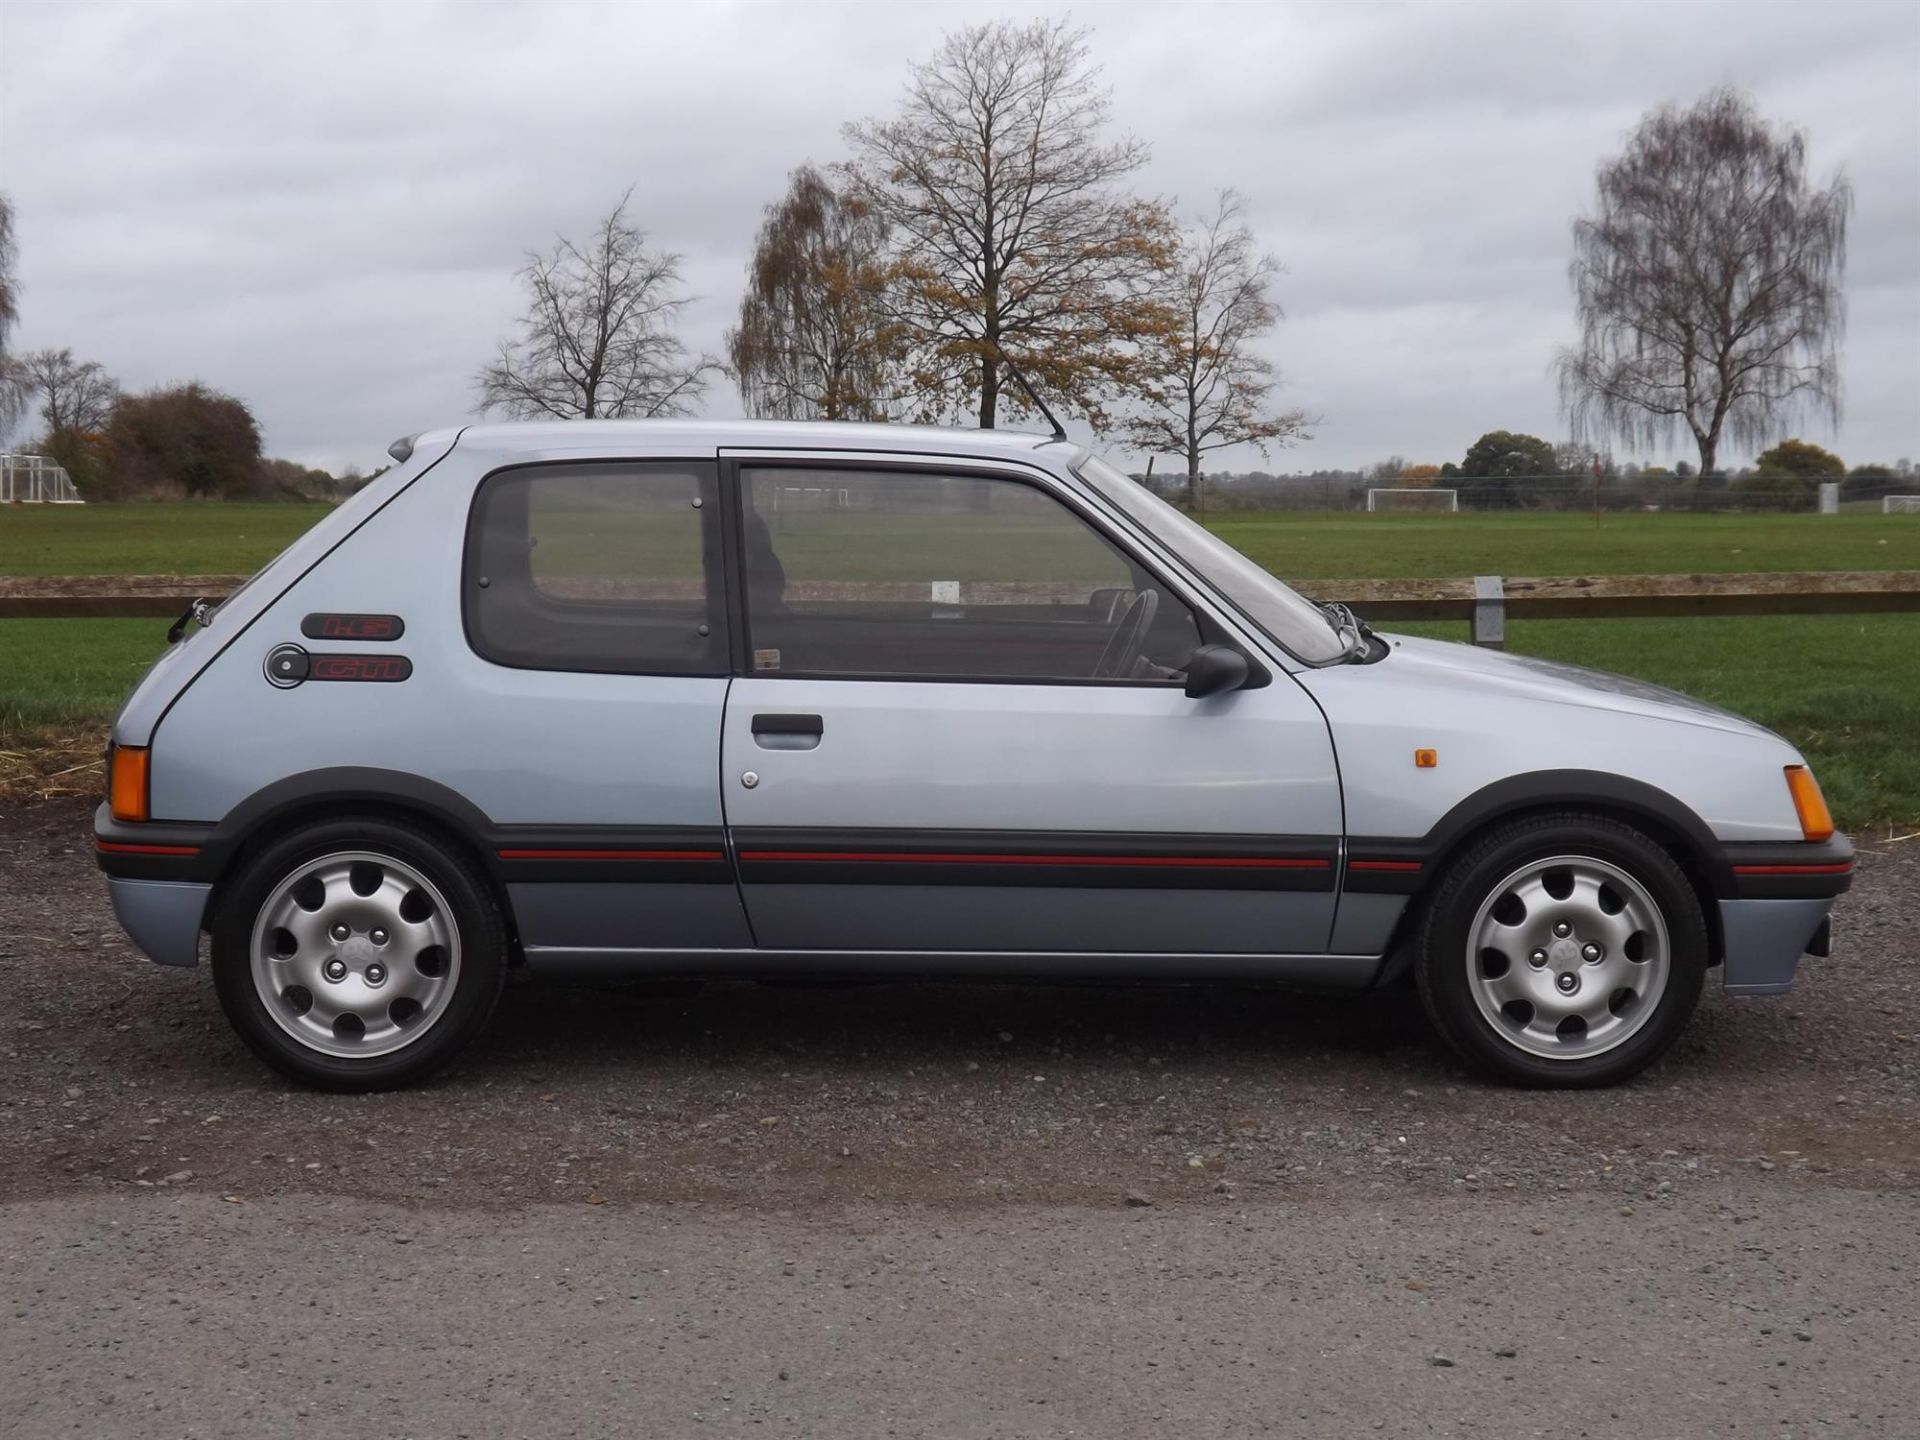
{"x":1816,"y":823}
{"x":1426,"y":759}
{"x":127,"y":782}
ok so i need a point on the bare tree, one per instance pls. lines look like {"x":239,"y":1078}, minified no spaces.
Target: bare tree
{"x":1205,"y":386}
{"x":76,"y":396}
{"x":814,"y":340}
{"x":1707,"y":284}
{"x":597,"y":337}
{"x":1013,"y":243}
{"x":13,"y":388}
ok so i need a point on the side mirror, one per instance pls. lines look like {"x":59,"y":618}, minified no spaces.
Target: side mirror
{"x":1214,"y":670}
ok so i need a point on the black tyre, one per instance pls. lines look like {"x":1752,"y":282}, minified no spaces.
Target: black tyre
{"x":358,"y":954}
{"x":1562,"y":950}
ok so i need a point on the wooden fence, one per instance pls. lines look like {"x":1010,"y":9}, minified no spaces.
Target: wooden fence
{"x":1486,"y":601}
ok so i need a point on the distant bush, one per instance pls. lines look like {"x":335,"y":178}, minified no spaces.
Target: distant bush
{"x":185,"y":441}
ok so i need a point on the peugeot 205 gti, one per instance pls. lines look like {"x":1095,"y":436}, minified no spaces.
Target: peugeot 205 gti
{"x":706,"y":699}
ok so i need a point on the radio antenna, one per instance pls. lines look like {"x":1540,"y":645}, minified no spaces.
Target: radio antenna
{"x":1059,"y":430}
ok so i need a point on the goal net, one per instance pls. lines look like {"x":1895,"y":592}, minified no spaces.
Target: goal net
{"x":1900,"y":504}
{"x":1412,"y":498}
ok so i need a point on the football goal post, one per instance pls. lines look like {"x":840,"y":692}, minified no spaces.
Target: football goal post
{"x":1900,"y":504}
{"x":35,"y":480}
{"x":1412,"y":498}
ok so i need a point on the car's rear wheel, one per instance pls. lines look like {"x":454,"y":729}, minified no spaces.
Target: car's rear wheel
{"x":1562,"y":950}
{"x":358,"y":954}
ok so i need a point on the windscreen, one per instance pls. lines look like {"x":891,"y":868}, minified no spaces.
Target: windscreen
{"x":1287,"y":617}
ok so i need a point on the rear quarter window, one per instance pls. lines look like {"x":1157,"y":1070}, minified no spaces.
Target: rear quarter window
{"x":609,"y":568}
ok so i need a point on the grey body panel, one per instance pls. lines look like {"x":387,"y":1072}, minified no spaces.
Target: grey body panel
{"x":1006,"y":758}
{"x":1491,"y":716}
{"x":182,"y":663}
{"x":162,"y":917}
{"x":1363,"y":925}
{"x":523,"y":746}
{"x":1765,"y":940}
{"x":1334,"y":972}
{"x":693,"y":917}
{"x":1059,"y":918}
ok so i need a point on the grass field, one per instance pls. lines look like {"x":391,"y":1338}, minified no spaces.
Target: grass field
{"x":209,"y":538}
{"x":218,"y":539}
{"x":1415,"y":546}
{"x":1846,"y":689}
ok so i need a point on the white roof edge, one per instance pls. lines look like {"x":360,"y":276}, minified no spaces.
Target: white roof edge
{"x":749,"y":434}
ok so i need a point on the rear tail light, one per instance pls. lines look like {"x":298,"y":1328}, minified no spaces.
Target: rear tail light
{"x":1816,"y":823}
{"x":127,"y":782}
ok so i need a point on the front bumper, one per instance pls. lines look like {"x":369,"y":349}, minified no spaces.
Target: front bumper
{"x":1774,"y":908}
{"x":162,"y":917}
{"x":1765,"y":939}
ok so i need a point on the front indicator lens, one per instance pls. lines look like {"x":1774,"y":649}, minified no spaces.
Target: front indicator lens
{"x":127,"y":782}
{"x":1816,"y":823}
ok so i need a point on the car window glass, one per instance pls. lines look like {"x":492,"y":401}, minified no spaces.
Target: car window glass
{"x":864,"y":572}
{"x":598,"y":567}
{"x":1287,"y":617}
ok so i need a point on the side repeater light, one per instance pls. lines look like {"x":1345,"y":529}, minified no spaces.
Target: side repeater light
{"x":1425,"y":759}
{"x":127,"y":782}
{"x":1816,"y":822}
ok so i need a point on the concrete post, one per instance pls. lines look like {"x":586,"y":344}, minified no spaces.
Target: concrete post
{"x":1489,"y":612}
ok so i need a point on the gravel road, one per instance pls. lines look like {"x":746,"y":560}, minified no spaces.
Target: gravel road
{"x":946,"y":1211}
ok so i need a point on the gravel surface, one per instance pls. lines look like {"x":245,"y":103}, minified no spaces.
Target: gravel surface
{"x":1006,"y":1211}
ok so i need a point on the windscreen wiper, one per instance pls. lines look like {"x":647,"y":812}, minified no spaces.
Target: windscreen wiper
{"x":1349,"y":627}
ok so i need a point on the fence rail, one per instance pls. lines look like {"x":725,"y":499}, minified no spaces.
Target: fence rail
{"x":1487,"y":600}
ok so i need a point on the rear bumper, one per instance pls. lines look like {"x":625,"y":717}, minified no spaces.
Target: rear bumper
{"x":1765,"y":940}
{"x":162,"y":917}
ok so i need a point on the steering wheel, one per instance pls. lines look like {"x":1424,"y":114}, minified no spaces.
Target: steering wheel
{"x":1129,"y":636}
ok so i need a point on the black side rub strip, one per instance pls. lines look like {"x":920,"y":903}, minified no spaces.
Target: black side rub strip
{"x":623,"y":854}
{"x":1031,"y":858}
{"x":1386,"y":867}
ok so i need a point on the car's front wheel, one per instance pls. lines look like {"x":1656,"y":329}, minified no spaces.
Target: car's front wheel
{"x":1562,"y":950}
{"x":358,"y":954}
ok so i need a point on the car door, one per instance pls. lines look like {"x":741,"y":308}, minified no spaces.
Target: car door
{"x":958,"y":731}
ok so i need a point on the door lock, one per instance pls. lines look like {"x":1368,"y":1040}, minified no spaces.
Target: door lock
{"x":750,"y":779}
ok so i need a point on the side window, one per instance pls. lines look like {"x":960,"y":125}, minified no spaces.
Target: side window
{"x":605,"y":567}
{"x":860,"y":572}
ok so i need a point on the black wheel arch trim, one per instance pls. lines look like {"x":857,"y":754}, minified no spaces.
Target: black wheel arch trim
{"x":205,"y":852}
{"x":1619,"y":795}
{"x":218,"y":843}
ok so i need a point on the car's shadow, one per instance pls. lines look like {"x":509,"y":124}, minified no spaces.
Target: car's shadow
{"x":724,"y":1023}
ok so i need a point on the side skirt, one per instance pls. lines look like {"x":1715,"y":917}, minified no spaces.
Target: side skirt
{"x":1334,"y":972}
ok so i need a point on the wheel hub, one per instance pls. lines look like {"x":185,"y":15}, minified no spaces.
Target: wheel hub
{"x":1568,"y":957}
{"x":355,"y":954}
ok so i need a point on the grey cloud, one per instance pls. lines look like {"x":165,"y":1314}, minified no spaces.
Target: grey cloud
{"x":320,"y":207}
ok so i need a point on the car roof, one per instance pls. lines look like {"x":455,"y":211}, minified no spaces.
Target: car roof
{"x":657,"y":436}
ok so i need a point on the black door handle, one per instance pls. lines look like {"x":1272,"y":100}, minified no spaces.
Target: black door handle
{"x":787,"y":725}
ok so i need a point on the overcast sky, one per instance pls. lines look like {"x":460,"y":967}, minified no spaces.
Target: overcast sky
{"x":319,"y":207}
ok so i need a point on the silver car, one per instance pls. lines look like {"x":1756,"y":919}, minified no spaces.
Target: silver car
{"x":705,"y":699}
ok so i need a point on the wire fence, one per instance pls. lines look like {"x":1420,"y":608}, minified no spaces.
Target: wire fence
{"x":1618,"y":493}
